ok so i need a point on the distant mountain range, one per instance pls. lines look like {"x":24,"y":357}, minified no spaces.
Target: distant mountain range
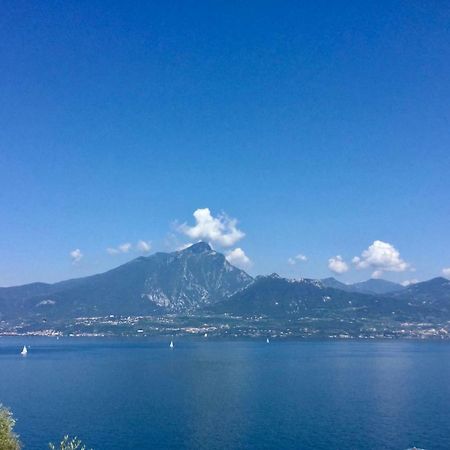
{"x":199,"y":280}
{"x":274,"y":296}
{"x":178,"y":282}
{"x":372,"y":286}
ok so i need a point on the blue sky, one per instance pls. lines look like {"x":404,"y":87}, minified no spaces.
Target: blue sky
{"x":321,"y":127}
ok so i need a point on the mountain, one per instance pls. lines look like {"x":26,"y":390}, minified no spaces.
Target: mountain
{"x":434,"y":293}
{"x":372,"y":286}
{"x":200,"y":281}
{"x":376,"y":286}
{"x":331,"y":282}
{"x":273,"y":296}
{"x":280,"y":297}
{"x":178,"y":282}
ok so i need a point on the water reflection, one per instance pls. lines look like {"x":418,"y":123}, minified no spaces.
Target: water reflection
{"x":220,"y":395}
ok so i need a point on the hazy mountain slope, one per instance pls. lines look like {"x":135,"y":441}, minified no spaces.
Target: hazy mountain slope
{"x":279,"y":297}
{"x":164,"y":282}
{"x":331,"y":282}
{"x":371,"y":286}
{"x":433,"y":293}
{"x":376,"y":286}
{"x":200,"y":280}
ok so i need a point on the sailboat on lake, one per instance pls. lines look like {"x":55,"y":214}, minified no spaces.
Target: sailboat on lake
{"x":171,"y":345}
{"x":24,"y":351}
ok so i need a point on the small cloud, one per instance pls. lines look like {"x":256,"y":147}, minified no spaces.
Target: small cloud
{"x":76,"y":256}
{"x":141,"y":246}
{"x":144,"y":246}
{"x":376,"y":274}
{"x":446,"y":272}
{"x":337,"y":265}
{"x":125,"y":248}
{"x":221,"y":230}
{"x":381,"y":257}
{"x":297,"y":258}
{"x":122,"y":248}
{"x":409,"y":282}
{"x":238,"y":258}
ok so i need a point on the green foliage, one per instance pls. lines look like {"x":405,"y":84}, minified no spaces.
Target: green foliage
{"x":8,"y":439}
{"x":68,"y":444}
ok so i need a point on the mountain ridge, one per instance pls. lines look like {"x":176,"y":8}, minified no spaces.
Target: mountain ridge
{"x":199,"y":280}
{"x":180,"y":281}
{"x":271,"y":296}
{"x":370,"y":286}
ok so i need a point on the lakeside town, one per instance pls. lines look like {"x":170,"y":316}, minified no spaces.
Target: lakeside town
{"x":230,"y":327}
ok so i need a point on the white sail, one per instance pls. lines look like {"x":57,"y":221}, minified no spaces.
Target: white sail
{"x":171,"y":344}
{"x":267,"y":340}
{"x":24,"y":350}
{"x":205,"y":335}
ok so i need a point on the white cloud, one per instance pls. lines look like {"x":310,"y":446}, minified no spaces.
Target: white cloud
{"x":446,"y":272}
{"x":409,"y":282}
{"x":76,"y":255}
{"x":292,"y":261}
{"x":221,"y":230}
{"x":381,"y":257}
{"x":144,"y":246}
{"x":337,"y":264}
{"x":238,"y":258}
{"x":125,"y":248}
{"x":377,"y":274}
{"x":141,"y":246}
{"x":122,"y":248}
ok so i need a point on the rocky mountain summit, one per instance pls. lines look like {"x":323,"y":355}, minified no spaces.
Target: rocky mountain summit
{"x":200,"y":281}
{"x":177,"y":282}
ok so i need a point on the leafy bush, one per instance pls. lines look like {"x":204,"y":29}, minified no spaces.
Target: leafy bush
{"x":8,"y":439}
{"x":69,"y":444}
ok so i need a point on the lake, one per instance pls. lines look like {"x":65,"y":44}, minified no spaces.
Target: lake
{"x":139,"y":394}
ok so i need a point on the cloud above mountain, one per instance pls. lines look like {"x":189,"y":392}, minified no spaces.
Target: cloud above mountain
{"x":122,"y":248}
{"x":337,"y":264}
{"x":76,"y":256}
{"x":409,"y":282}
{"x":144,"y":246}
{"x":381,"y":257}
{"x":141,"y":247}
{"x":238,"y":258}
{"x":297,"y":258}
{"x":221,"y":230}
{"x":446,"y":272}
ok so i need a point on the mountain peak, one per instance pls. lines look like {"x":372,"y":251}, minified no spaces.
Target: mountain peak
{"x":440,"y":280}
{"x":437,"y":281}
{"x":198,"y":248}
{"x":274,"y":275}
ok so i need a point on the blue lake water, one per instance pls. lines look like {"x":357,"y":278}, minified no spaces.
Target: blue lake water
{"x":138,"y":394}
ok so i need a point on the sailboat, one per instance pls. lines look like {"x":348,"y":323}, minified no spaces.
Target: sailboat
{"x":171,"y":344}
{"x":205,"y":335}
{"x":24,"y":351}
{"x":267,"y":341}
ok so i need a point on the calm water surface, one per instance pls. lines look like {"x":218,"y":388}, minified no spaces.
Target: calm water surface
{"x":137,"y":394}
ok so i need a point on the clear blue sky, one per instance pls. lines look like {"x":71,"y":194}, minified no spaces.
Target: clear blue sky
{"x":320,"y":126}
